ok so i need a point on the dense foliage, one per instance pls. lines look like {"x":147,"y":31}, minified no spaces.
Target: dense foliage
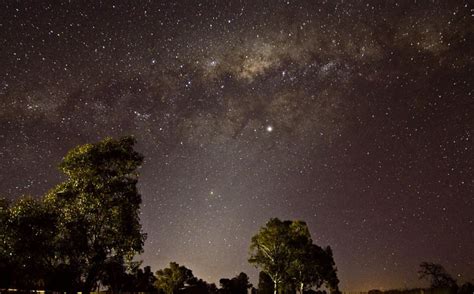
{"x":173,"y":278}
{"x":285,"y":251}
{"x":237,"y":285}
{"x":69,"y":238}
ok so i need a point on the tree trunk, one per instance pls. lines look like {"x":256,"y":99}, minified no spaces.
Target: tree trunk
{"x":301,"y":288}
{"x":275,"y":287}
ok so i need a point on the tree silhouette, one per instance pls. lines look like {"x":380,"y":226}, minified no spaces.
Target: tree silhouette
{"x":236,"y":285}
{"x":198,"y":286}
{"x":466,"y":288}
{"x":144,"y":280}
{"x":436,"y":275}
{"x":328,"y":270}
{"x":119,"y":276}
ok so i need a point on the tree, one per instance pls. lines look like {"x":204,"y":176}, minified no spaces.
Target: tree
{"x":328,"y":270}
{"x":305,"y":269}
{"x":437,"y":275}
{"x":265,"y":283}
{"x":144,"y":280}
{"x":271,"y":249}
{"x":28,"y":243}
{"x":173,"y":278}
{"x":114,"y":274}
{"x":119,"y":276}
{"x":236,"y":285}
{"x":198,"y":286}
{"x":466,"y":288}
{"x":98,"y":207}
{"x":314,"y":266}
{"x":285,"y":251}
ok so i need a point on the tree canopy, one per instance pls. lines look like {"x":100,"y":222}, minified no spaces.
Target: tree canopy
{"x":285,"y":251}
{"x":236,"y":285}
{"x":173,"y":278}
{"x":99,"y":205}
{"x":437,"y":275}
{"x":28,"y":247}
{"x":66,"y":239}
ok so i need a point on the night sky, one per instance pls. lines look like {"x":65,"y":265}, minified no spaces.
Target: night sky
{"x":355,"y":116}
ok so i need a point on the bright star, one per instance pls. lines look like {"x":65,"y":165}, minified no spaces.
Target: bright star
{"x":269,"y":128}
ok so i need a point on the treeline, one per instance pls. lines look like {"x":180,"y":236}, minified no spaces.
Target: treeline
{"x":441,"y":282}
{"x":85,"y":232}
{"x":466,"y":288}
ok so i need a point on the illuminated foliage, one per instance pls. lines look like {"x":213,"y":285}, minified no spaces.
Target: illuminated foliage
{"x":314,"y":266}
{"x":173,"y":278}
{"x":98,"y":206}
{"x":285,"y":251}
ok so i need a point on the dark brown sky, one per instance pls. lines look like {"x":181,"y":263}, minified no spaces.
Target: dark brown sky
{"x":354,"y":116}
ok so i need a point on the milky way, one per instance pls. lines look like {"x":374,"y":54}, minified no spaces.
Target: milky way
{"x":354,"y":116}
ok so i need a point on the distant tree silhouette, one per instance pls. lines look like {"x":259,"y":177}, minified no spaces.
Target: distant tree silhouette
{"x":121,"y":277}
{"x":144,"y":280}
{"x":171,"y":279}
{"x":285,"y":251}
{"x":436,"y":275}
{"x":466,"y":288}
{"x":236,"y":285}
{"x":226,"y":285}
{"x":198,"y":286}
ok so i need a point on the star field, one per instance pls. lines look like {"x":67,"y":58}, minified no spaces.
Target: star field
{"x":355,"y":116}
